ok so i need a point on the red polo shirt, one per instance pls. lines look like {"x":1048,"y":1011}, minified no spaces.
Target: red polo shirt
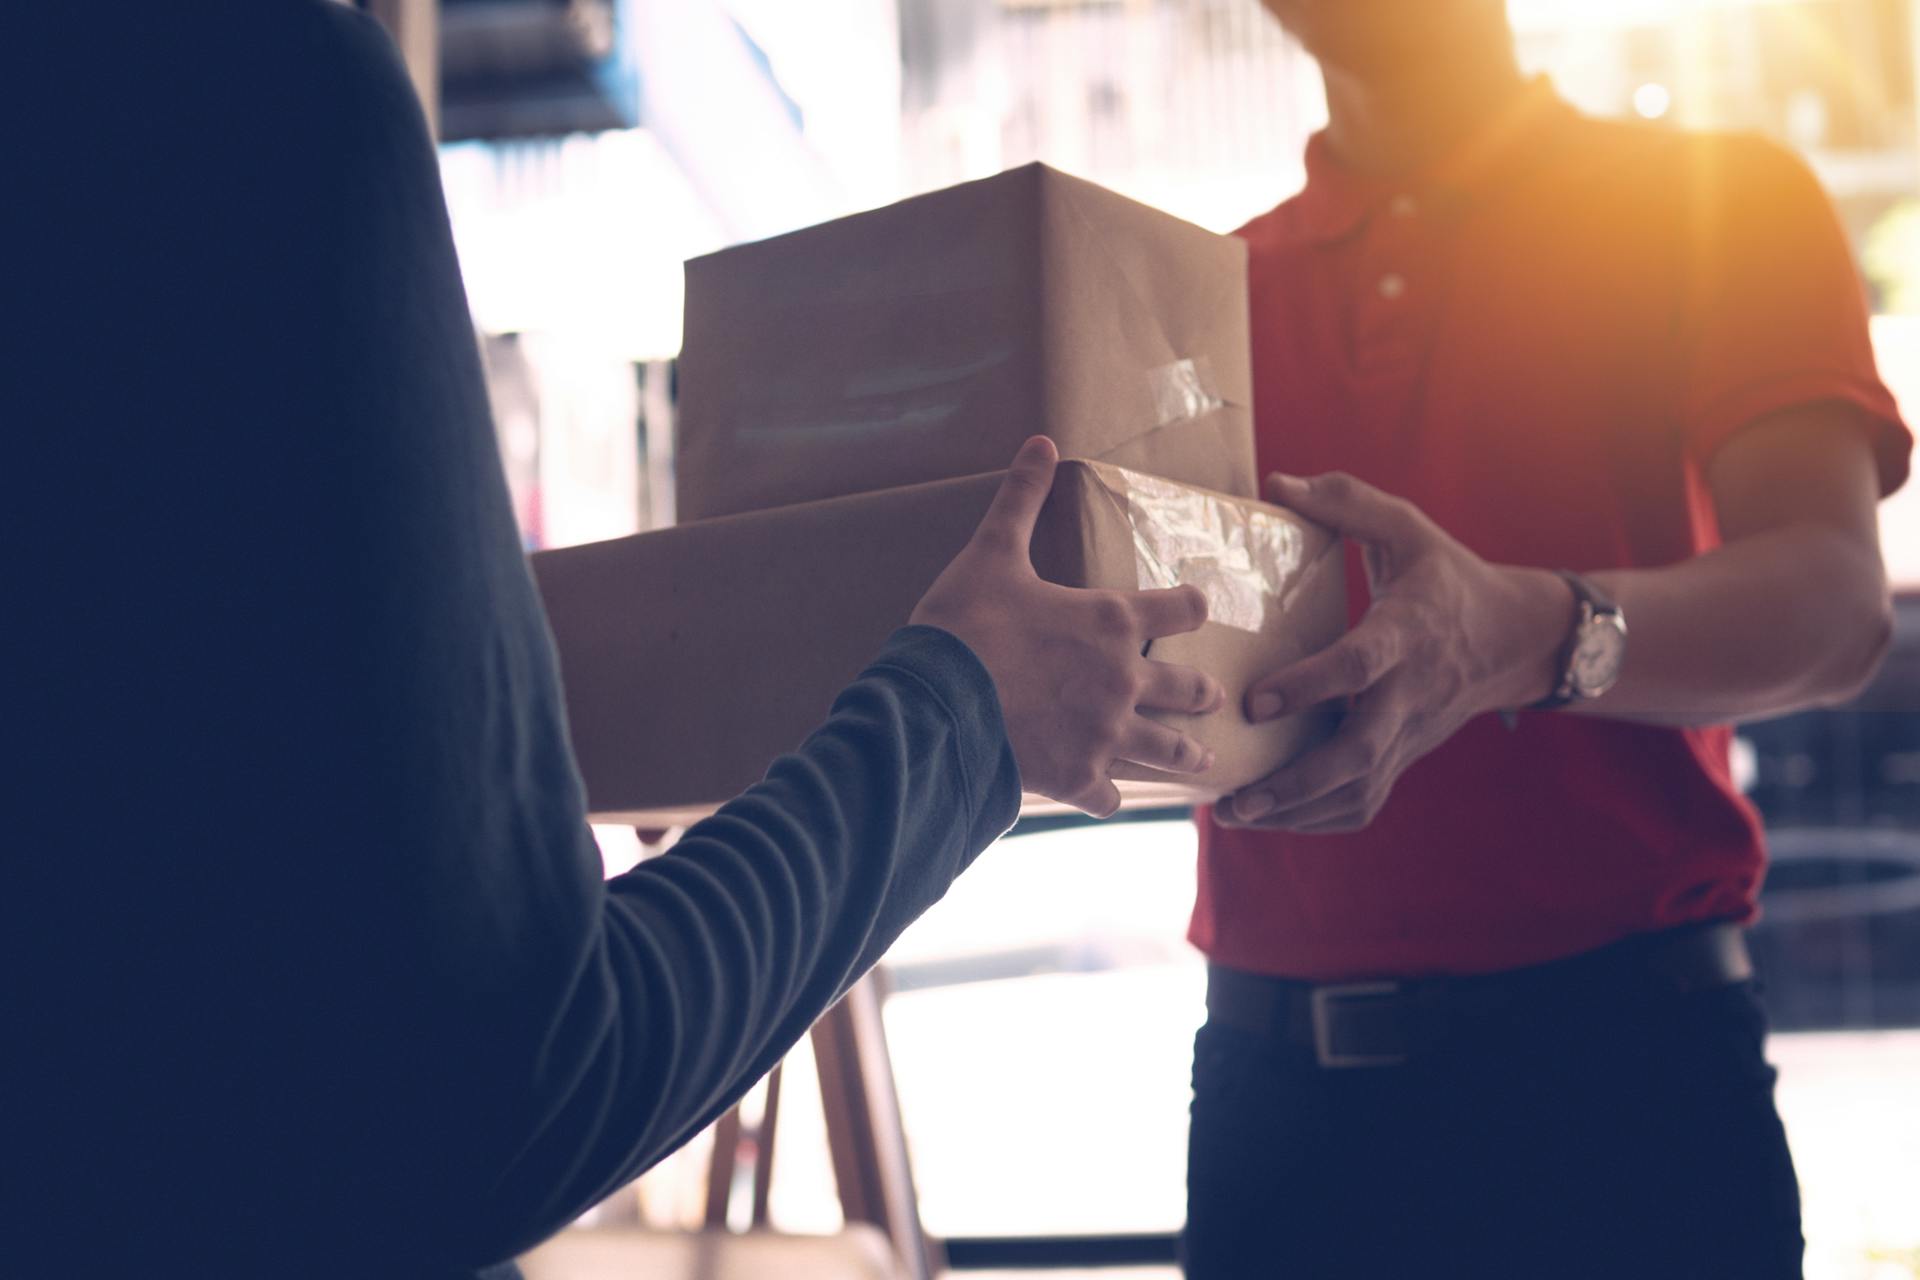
{"x":1541,"y":344}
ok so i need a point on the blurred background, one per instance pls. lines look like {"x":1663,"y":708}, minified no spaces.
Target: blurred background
{"x":1041,"y":1018}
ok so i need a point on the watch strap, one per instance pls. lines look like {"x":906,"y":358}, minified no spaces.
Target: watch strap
{"x":1589,"y":603}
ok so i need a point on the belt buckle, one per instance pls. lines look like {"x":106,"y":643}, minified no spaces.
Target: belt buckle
{"x":1322,"y":1001}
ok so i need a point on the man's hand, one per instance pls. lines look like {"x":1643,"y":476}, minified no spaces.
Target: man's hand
{"x":1067,"y":663}
{"x":1448,"y":636}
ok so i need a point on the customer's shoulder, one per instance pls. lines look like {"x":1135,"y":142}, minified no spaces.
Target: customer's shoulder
{"x":319,"y":44}
{"x":280,"y":24}
{"x":320,"y":77}
{"x":251,"y":62}
{"x":246,"y":33}
{"x":202,"y":48}
{"x":339,"y":31}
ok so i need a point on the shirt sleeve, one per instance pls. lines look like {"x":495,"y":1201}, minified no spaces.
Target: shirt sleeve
{"x":1773,"y":313}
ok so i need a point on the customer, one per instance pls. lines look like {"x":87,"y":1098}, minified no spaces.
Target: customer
{"x":1479,"y":1004}
{"x":310,"y":967}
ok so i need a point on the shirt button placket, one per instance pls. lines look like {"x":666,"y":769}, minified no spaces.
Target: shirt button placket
{"x":1393,"y":285}
{"x":1386,"y":337}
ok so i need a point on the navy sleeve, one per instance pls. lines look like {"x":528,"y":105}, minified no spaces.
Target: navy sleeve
{"x":314,"y":946}
{"x":707,"y":964}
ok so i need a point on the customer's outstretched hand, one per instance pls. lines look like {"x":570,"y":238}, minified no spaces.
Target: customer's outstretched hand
{"x":1067,"y":663}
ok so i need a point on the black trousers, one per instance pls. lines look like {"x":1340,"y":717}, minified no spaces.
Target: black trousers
{"x":1616,"y":1135}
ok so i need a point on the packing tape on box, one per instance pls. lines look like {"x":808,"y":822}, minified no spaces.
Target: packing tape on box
{"x":1184,"y":390}
{"x":1248,"y":562}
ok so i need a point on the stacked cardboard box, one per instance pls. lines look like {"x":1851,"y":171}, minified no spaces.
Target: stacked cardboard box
{"x":848,"y":396}
{"x":926,"y":340}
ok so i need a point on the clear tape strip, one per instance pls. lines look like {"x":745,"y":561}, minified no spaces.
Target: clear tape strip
{"x":1246,"y":561}
{"x":1183,"y":390}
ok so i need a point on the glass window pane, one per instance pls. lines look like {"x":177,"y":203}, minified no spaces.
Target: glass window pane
{"x":1041,"y":1029}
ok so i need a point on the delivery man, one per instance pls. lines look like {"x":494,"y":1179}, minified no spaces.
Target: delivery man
{"x":310,"y":967}
{"x":1595,"y":404}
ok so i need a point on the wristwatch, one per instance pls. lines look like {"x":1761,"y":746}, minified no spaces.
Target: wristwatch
{"x":1594,"y":650}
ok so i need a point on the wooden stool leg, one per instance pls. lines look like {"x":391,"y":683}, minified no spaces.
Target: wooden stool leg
{"x":865,"y":1134}
{"x":764,"y":1134}
{"x":730,"y":1135}
{"x":720,"y":1168}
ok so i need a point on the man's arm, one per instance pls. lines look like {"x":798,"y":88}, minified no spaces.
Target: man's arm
{"x":1791,"y":612}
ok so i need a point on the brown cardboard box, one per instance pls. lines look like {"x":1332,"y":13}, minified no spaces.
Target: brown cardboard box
{"x":695,"y":655}
{"x":927,"y":339}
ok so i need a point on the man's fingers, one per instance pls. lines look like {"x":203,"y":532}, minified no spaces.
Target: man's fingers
{"x":1169,"y":611}
{"x":1346,"y":505}
{"x":1318,"y":773}
{"x":1359,"y":748}
{"x":1173,"y":688}
{"x":1008,"y":525}
{"x":1347,"y":808}
{"x":1350,"y":665}
{"x":1158,"y":747}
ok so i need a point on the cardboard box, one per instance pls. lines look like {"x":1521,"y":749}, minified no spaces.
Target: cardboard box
{"x":693,"y":656}
{"x":927,"y":339}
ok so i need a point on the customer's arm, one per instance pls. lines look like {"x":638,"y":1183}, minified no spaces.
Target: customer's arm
{"x":554,"y":1033}
{"x":691,"y":976}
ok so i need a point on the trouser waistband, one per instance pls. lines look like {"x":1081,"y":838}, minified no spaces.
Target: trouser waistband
{"x":1377,"y":1023}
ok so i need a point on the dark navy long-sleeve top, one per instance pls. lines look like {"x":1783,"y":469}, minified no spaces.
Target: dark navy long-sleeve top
{"x":310,"y":965}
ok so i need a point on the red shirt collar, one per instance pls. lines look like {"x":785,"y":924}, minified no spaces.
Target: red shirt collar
{"x":1336,"y":201}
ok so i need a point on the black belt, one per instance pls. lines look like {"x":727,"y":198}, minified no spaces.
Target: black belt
{"x":1380,"y":1023}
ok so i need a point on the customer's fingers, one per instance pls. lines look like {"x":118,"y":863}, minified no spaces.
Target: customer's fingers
{"x":1168,"y":611}
{"x":1158,"y":747}
{"x":1169,"y":687}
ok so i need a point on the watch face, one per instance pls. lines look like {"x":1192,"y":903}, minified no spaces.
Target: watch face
{"x":1596,"y":659}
